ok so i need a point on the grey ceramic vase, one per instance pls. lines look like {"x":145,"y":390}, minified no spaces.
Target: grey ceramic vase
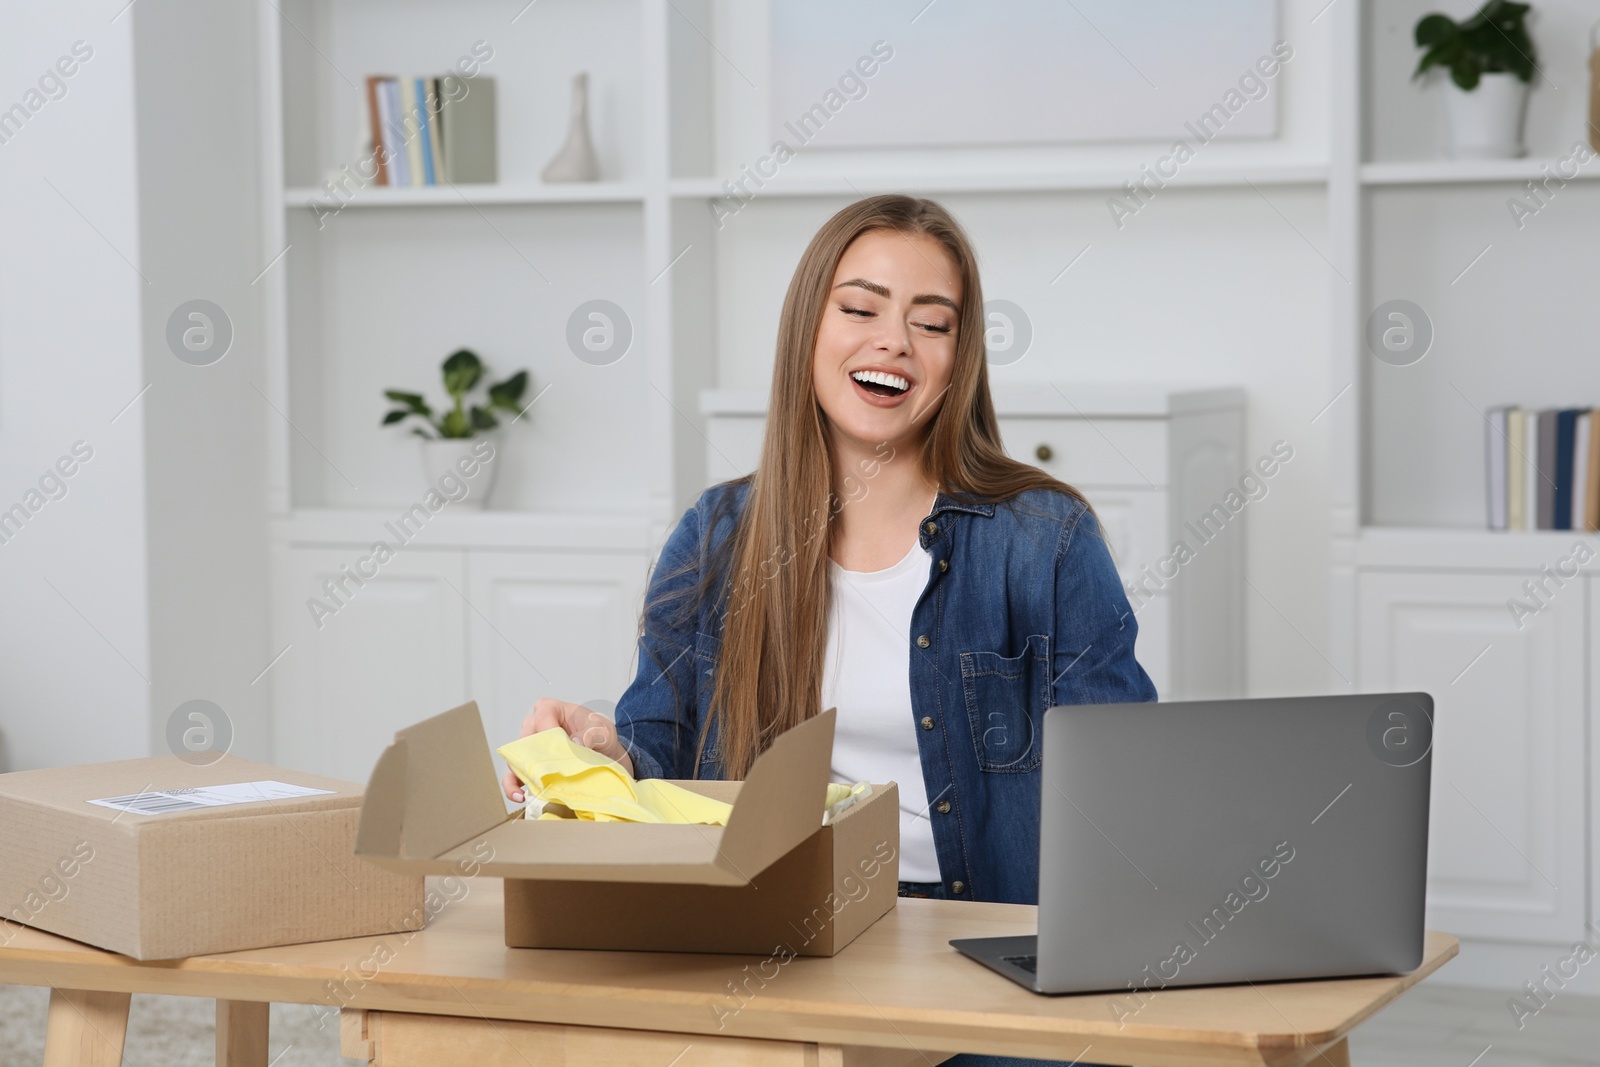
{"x":576,"y":161}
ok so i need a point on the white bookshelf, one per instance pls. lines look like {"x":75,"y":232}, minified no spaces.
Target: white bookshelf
{"x":1446,"y":172}
{"x":352,"y":307}
{"x":300,"y":197}
{"x":1422,"y":592}
{"x":1082,"y":178}
{"x":1407,"y":222}
{"x":374,"y":296}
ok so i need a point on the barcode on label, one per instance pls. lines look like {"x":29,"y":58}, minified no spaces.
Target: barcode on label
{"x":152,"y":803}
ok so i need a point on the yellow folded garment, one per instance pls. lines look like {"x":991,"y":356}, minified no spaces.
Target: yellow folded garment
{"x":841,"y":796}
{"x":564,"y":780}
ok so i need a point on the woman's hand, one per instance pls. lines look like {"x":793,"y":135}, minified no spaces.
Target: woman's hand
{"x":588,"y":728}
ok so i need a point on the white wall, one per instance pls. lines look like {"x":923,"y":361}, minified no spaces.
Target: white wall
{"x":144,"y":586}
{"x":75,"y":658}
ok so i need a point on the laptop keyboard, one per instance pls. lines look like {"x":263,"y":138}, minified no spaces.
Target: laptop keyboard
{"x":1027,"y":963}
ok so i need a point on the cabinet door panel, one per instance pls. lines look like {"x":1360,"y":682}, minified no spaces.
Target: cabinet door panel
{"x":550,"y":624}
{"x":392,"y":652}
{"x":1506,"y":849}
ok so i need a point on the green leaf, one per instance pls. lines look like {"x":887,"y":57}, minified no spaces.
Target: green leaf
{"x":482,"y":420}
{"x":1494,"y":40}
{"x":420,"y":432}
{"x":1434,"y":29}
{"x":454,"y":425}
{"x":507,"y":395}
{"x":394,"y":417}
{"x":413,"y":401}
{"x":1465,"y":73}
{"x":462,"y":369}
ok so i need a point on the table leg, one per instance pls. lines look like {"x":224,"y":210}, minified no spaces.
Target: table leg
{"x":1335,"y":1055}
{"x":86,"y":1028}
{"x":242,"y":1033}
{"x":354,"y":1041}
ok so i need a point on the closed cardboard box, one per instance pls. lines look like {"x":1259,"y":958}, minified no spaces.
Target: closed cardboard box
{"x":162,"y":858}
{"x":773,"y":881}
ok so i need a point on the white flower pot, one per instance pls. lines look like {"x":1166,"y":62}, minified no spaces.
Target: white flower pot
{"x":1486,"y":123}
{"x":460,"y":469}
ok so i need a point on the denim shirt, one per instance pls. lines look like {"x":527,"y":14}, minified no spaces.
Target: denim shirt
{"x":1023,"y":610}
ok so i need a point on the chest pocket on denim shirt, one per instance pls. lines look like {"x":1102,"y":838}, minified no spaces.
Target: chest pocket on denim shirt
{"x":1006,"y":701}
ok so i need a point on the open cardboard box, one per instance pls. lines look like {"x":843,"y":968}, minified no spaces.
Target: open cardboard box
{"x":772,"y":880}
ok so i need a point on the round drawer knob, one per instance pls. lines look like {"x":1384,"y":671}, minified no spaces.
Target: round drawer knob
{"x":1043,"y":453}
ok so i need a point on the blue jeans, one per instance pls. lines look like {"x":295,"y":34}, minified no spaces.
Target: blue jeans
{"x":936,"y":891}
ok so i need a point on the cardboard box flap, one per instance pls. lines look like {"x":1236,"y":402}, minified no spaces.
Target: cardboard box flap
{"x":432,"y":789}
{"x":781,"y":801}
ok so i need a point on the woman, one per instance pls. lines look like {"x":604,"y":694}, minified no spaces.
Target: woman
{"x":887,"y":559}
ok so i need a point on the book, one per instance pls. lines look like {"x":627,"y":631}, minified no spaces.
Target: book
{"x":1593,"y":494}
{"x":1516,"y":469}
{"x":394,"y":131}
{"x":412,"y":117}
{"x":1545,"y":461}
{"x":419,"y":94}
{"x":1530,"y":482}
{"x":436,"y":129}
{"x":1580,"y":470}
{"x":1495,"y":463}
{"x":375,"y":121}
{"x":1561,"y":497}
{"x":468,"y":119}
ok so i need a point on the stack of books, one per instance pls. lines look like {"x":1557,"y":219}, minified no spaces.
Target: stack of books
{"x":1544,"y":469}
{"x":432,"y":131}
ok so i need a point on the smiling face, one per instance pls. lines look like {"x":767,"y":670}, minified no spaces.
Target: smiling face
{"x":887,"y":338}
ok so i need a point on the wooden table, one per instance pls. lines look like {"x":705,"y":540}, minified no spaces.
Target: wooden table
{"x":899,"y":995}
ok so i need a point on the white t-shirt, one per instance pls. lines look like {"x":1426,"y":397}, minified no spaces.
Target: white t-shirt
{"x":866,"y":674}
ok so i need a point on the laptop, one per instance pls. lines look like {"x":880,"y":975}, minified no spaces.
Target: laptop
{"x":1217,"y":841}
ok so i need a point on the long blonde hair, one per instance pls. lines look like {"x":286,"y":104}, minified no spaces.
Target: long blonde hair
{"x":768,"y":674}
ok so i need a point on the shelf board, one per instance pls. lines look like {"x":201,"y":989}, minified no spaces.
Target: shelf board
{"x":456,"y":528}
{"x":475,"y":194}
{"x":1243,"y":174}
{"x":1455,"y":171}
{"x":1469,"y":549}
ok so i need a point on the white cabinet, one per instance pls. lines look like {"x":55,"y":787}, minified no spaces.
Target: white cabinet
{"x":1506,"y":851}
{"x":549,"y":624}
{"x":497,"y":608}
{"x":1592,"y":585}
{"x":1157,"y":465}
{"x":390,"y":653}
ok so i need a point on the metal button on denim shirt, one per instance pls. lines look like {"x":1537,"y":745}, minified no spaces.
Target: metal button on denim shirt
{"x":1023,"y":611}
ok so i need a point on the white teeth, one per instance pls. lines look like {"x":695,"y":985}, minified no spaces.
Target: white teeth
{"x":881,"y":378}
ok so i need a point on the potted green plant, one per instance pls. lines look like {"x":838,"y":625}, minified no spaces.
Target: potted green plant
{"x":1491,"y":60}
{"x":448,"y":448}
